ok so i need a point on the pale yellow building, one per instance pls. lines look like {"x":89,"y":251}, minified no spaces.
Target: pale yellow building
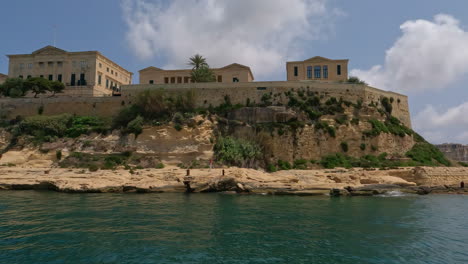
{"x":3,"y":77}
{"x":228,"y":74}
{"x":86,"y":73}
{"x":317,"y":69}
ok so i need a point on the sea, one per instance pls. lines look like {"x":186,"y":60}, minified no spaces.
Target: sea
{"x":50,"y":227}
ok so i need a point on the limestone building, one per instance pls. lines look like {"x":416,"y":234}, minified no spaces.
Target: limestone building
{"x":86,"y":73}
{"x":228,"y":74}
{"x":318,"y":69}
{"x":3,"y":77}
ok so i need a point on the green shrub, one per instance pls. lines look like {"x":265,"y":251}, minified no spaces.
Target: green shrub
{"x":237,"y":152}
{"x":160,"y":166}
{"x":374,"y":148}
{"x":300,"y":164}
{"x":58,"y":154}
{"x":271,"y":168}
{"x":336,"y":160}
{"x":464,"y":164}
{"x":342,"y":120}
{"x":178,"y":127}
{"x":355,"y":121}
{"x":93,"y":167}
{"x":284,"y":165}
{"x":427,"y":154}
{"x":362,"y":146}
{"x":387,"y":105}
{"x":344,"y":146}
{"x":135,"y":126}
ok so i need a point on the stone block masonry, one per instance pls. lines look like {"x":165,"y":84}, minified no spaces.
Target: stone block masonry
{"x":240,"y":93}
{"x":206,"y":94}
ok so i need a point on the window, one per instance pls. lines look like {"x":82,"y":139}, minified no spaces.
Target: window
{"x":186,"y":79}
{"x":116,"y":74}
{"x":30,"y":65}
{"x":112,"y":71}
{"x":317,"y":70}
{"x":82,"y":79}
{"x":235,"y":80}
{"x":107,"y":69}
{"x":112,"y":84}
{"x":220,"y":78}
{"x":21,"y":76}
{"x":107,"y":83}
{"x":29,"y":76}
{"x":151,"y":82}
{"x":172,"y":79}
{"x":296,"y":71}
{"x":83,"y":64}
{"x":59,"y":64}
{"x":41,"y":65}
{"x":325,"y":72}
{"x":99,"y":79}
{"x":73,"y":79}
{"x":21,"y":66}
{"x":338,"y":69}
{"x":50,"y":64}
{"x":42,"y":76}
{"x":59,"y":77}
{"x":166,"y":80}
{"x":74,"y":63}
{"x":179,"y":79}
{"x":51,"y":77}
{"x":100,"y":65}
{"x":309,"y":72}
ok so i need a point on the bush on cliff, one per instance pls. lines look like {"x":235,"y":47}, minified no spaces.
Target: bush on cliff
{"x":237,"y":152}
{"x":428,"y":155}
{"x":46,"y":128}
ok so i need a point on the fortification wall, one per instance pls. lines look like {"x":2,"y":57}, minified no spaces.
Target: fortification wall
{"x":97,"y":106}
{"x":214,"y":93}
{"x":206,"y":94}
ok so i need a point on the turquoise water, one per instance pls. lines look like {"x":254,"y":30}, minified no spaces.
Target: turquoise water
{"x":48,"y":227}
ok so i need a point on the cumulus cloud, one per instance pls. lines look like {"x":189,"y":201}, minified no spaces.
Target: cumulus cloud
{"x":260,"y":33}
{"x":443,"y":126}
{"x":429,"y":55}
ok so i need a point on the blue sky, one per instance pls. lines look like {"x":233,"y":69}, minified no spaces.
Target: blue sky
{"x":140,"y":33}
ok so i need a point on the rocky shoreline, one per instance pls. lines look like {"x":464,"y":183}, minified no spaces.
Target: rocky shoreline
{"x":336,"y":182}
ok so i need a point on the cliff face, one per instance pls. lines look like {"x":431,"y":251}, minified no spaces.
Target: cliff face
{"x":341,"y":133}
{"x":456,"y":152}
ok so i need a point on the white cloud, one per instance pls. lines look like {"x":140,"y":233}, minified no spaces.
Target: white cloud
{"x":260,"y":33}
{"x":429,"y":55}
{"x":437,"y":126}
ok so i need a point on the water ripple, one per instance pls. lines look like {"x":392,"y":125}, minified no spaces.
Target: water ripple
{"x":47,"y":227}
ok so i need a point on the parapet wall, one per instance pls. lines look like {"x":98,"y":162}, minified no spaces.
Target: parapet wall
{"x":94,"y":106}
{"x":214,"y":93}
{"x":205,"y":94}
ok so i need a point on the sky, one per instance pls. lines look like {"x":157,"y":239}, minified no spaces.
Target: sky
{"x":418,"y":47}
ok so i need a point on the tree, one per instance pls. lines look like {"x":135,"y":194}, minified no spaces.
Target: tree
{"x":356,"y":80}
{"x":37,"y":85}
{"x":13,"y":87}
{"x":202,"y":74}
{"x":56,"y":87}
{"x":197,"y":61}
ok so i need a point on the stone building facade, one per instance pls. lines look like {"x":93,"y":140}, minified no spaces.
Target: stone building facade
{"x":86,"y":73}
{"x":3,"y":77}
{"x":318,"y":69}
{"x":228,"y":74}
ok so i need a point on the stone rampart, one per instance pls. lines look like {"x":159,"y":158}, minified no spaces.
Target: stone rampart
{"x":206,"y":94}
{"x":214,"y":93}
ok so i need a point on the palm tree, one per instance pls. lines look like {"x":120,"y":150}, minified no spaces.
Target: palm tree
{"x":197,"y":61}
